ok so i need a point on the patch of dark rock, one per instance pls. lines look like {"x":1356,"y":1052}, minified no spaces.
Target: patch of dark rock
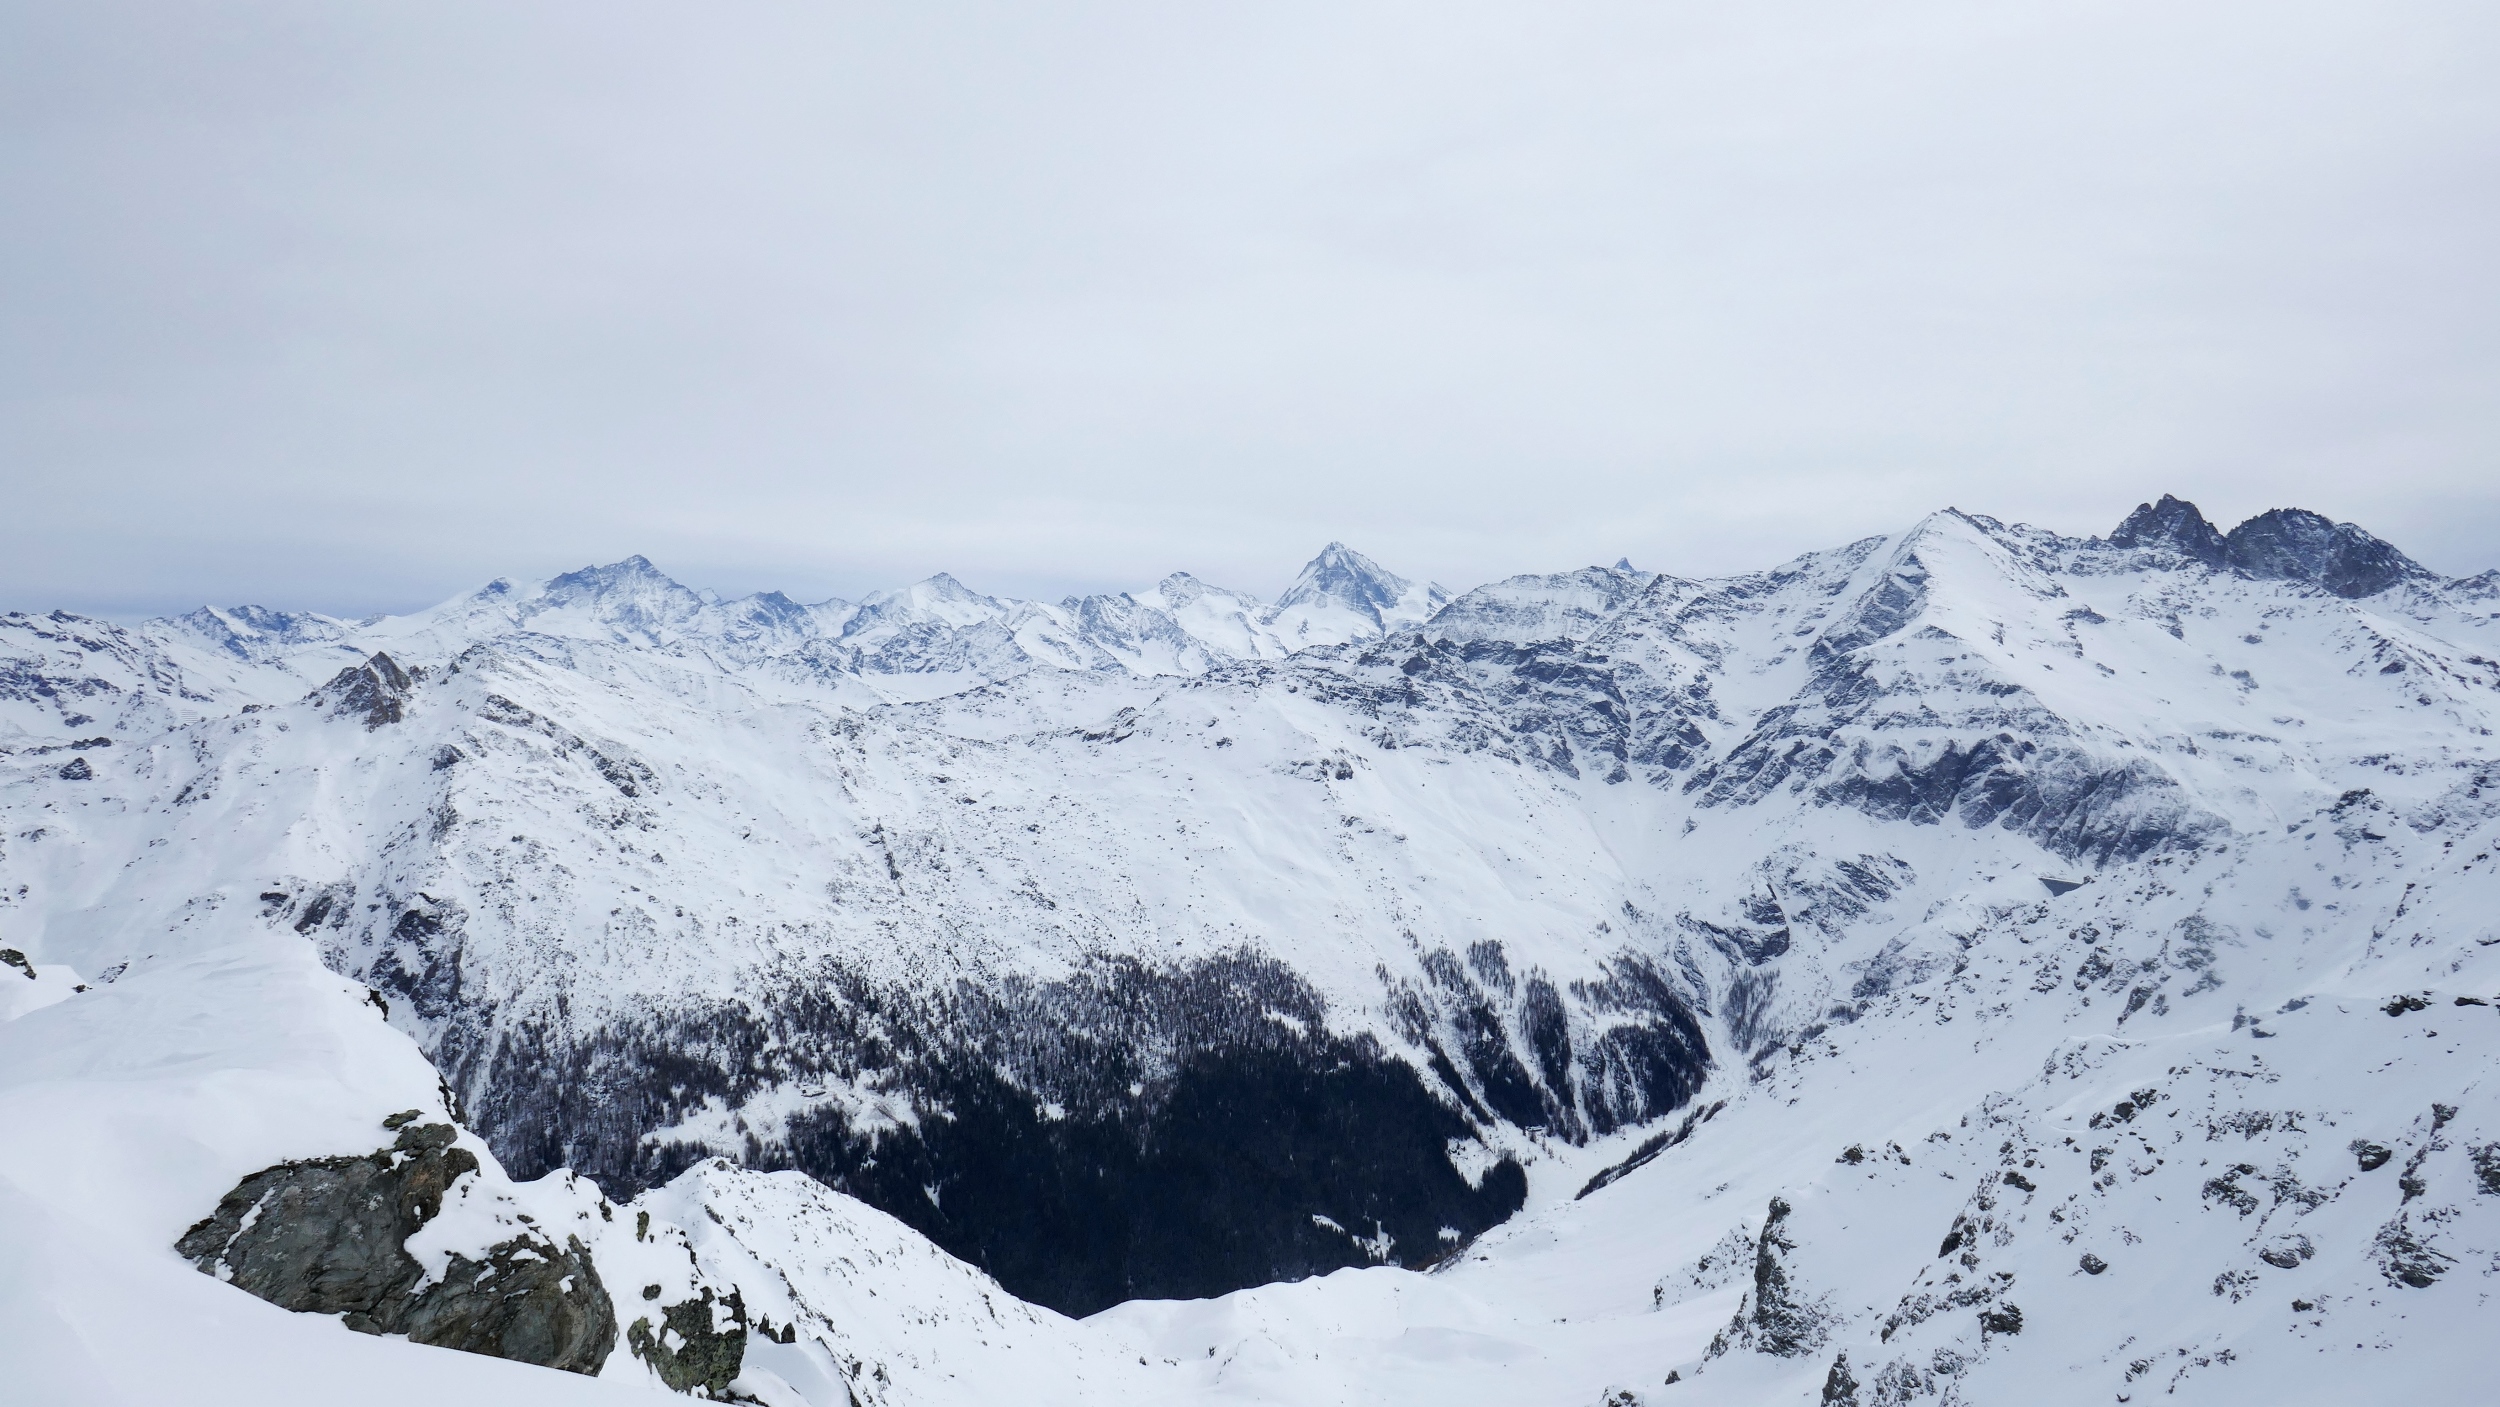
{"x":2004,"y":1319}
{"x":2092,"y":1264}
{"x":1840,"y":1387}
{"x":2399,"y":1005}
{"x":2405,"y":1258}
{"x":2175,"y":524}
{"x":11,"y":957}
{"x":328,"y":1236}
{"x":2226,"y":1189}
{"x":375,"y":692}
{"x":320,"y":909}
{"x":2372,"y":1156}
{"x":2485,"y":1158}
{"x":76,"y":770}
{"x":2016,"y":1179}
{"x":1773,"y":1319}
{"x":2294,"y":544}
{"x":707,"y":1355}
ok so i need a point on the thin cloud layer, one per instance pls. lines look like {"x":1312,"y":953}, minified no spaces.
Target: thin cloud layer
{"x":350,"y":307}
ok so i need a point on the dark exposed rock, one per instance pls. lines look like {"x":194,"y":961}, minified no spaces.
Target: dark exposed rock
{"x":2372,"y":1156}
{"x":327,"y":1236}
{"x":2405,"y":1258}
{"x":375,"y":691}
{"x":2286,"y":1252}
{"x":11,"y":957}
{"x":706,"y":1354}
{"x":2226,"y":1189}
{"x":2485,"y":1158}
{"x":1772,"y":1318}
{"x":2004,"y":1319}
{"x":2092,"y":1264}
{"x":76,"y":770}
{"x":2294,"y":544}
{"x":528,"y":1301}
{"x":2173,"y":523}
{"x":1840,"y":1389}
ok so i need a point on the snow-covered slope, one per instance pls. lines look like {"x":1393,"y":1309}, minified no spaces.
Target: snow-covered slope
{"x":1672,"y":965}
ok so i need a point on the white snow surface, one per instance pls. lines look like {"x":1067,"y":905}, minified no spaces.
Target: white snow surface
{"x":2165,"y":1071}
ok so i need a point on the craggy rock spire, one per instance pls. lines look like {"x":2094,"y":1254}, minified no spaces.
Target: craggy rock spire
{"x":2174,"y":523}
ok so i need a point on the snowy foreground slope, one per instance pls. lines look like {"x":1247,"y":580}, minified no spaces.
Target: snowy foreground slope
{"x":1970,"y":965}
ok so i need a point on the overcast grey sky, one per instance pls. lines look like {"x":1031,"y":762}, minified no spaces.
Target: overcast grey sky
{"x":350,"y":306}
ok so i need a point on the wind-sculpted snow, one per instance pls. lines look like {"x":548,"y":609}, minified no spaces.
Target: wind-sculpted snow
{"x":1123,"y":950}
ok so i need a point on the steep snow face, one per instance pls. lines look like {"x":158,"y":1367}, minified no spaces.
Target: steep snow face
{"x":1227,"y":623}
{"x":1527,"y":610}
{"x":1343,"y":596}
{"x":1936,"y":846}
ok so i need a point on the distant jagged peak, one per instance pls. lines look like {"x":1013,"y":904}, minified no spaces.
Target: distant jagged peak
{"x":938,"y":599}
{"x":2174,"y":523}
{"x":1181,"y":589}
{"x":936,"y":586}
{"x":1540,"y":606}
{"x":2294,"y":544}
{"x":1341,"y":576}
{"x":254,"y":632}
{"x":2280,"y":544}
{"x":634,"y":576}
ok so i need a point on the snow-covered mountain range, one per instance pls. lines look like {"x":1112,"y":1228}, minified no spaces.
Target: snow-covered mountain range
{"x":1966,"y":965}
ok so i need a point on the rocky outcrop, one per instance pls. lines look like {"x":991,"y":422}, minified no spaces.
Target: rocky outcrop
{"x":1773,"y":1318}
{"x":2173,"y":523}
{"x":2294,"y":544}
{"x":375,"y":691}
{"x":328,"y":1236}
{"x":692,"y":1348}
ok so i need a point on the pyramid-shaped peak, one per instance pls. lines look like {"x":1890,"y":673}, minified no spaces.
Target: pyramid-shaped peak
{"x":944,"y":586}
{"x":1341,"y":575}
{"x":2174,"y":523}
{"x":632,"y":572}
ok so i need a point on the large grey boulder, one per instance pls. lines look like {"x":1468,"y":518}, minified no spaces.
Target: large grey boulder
{"x":328,"y":1236}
